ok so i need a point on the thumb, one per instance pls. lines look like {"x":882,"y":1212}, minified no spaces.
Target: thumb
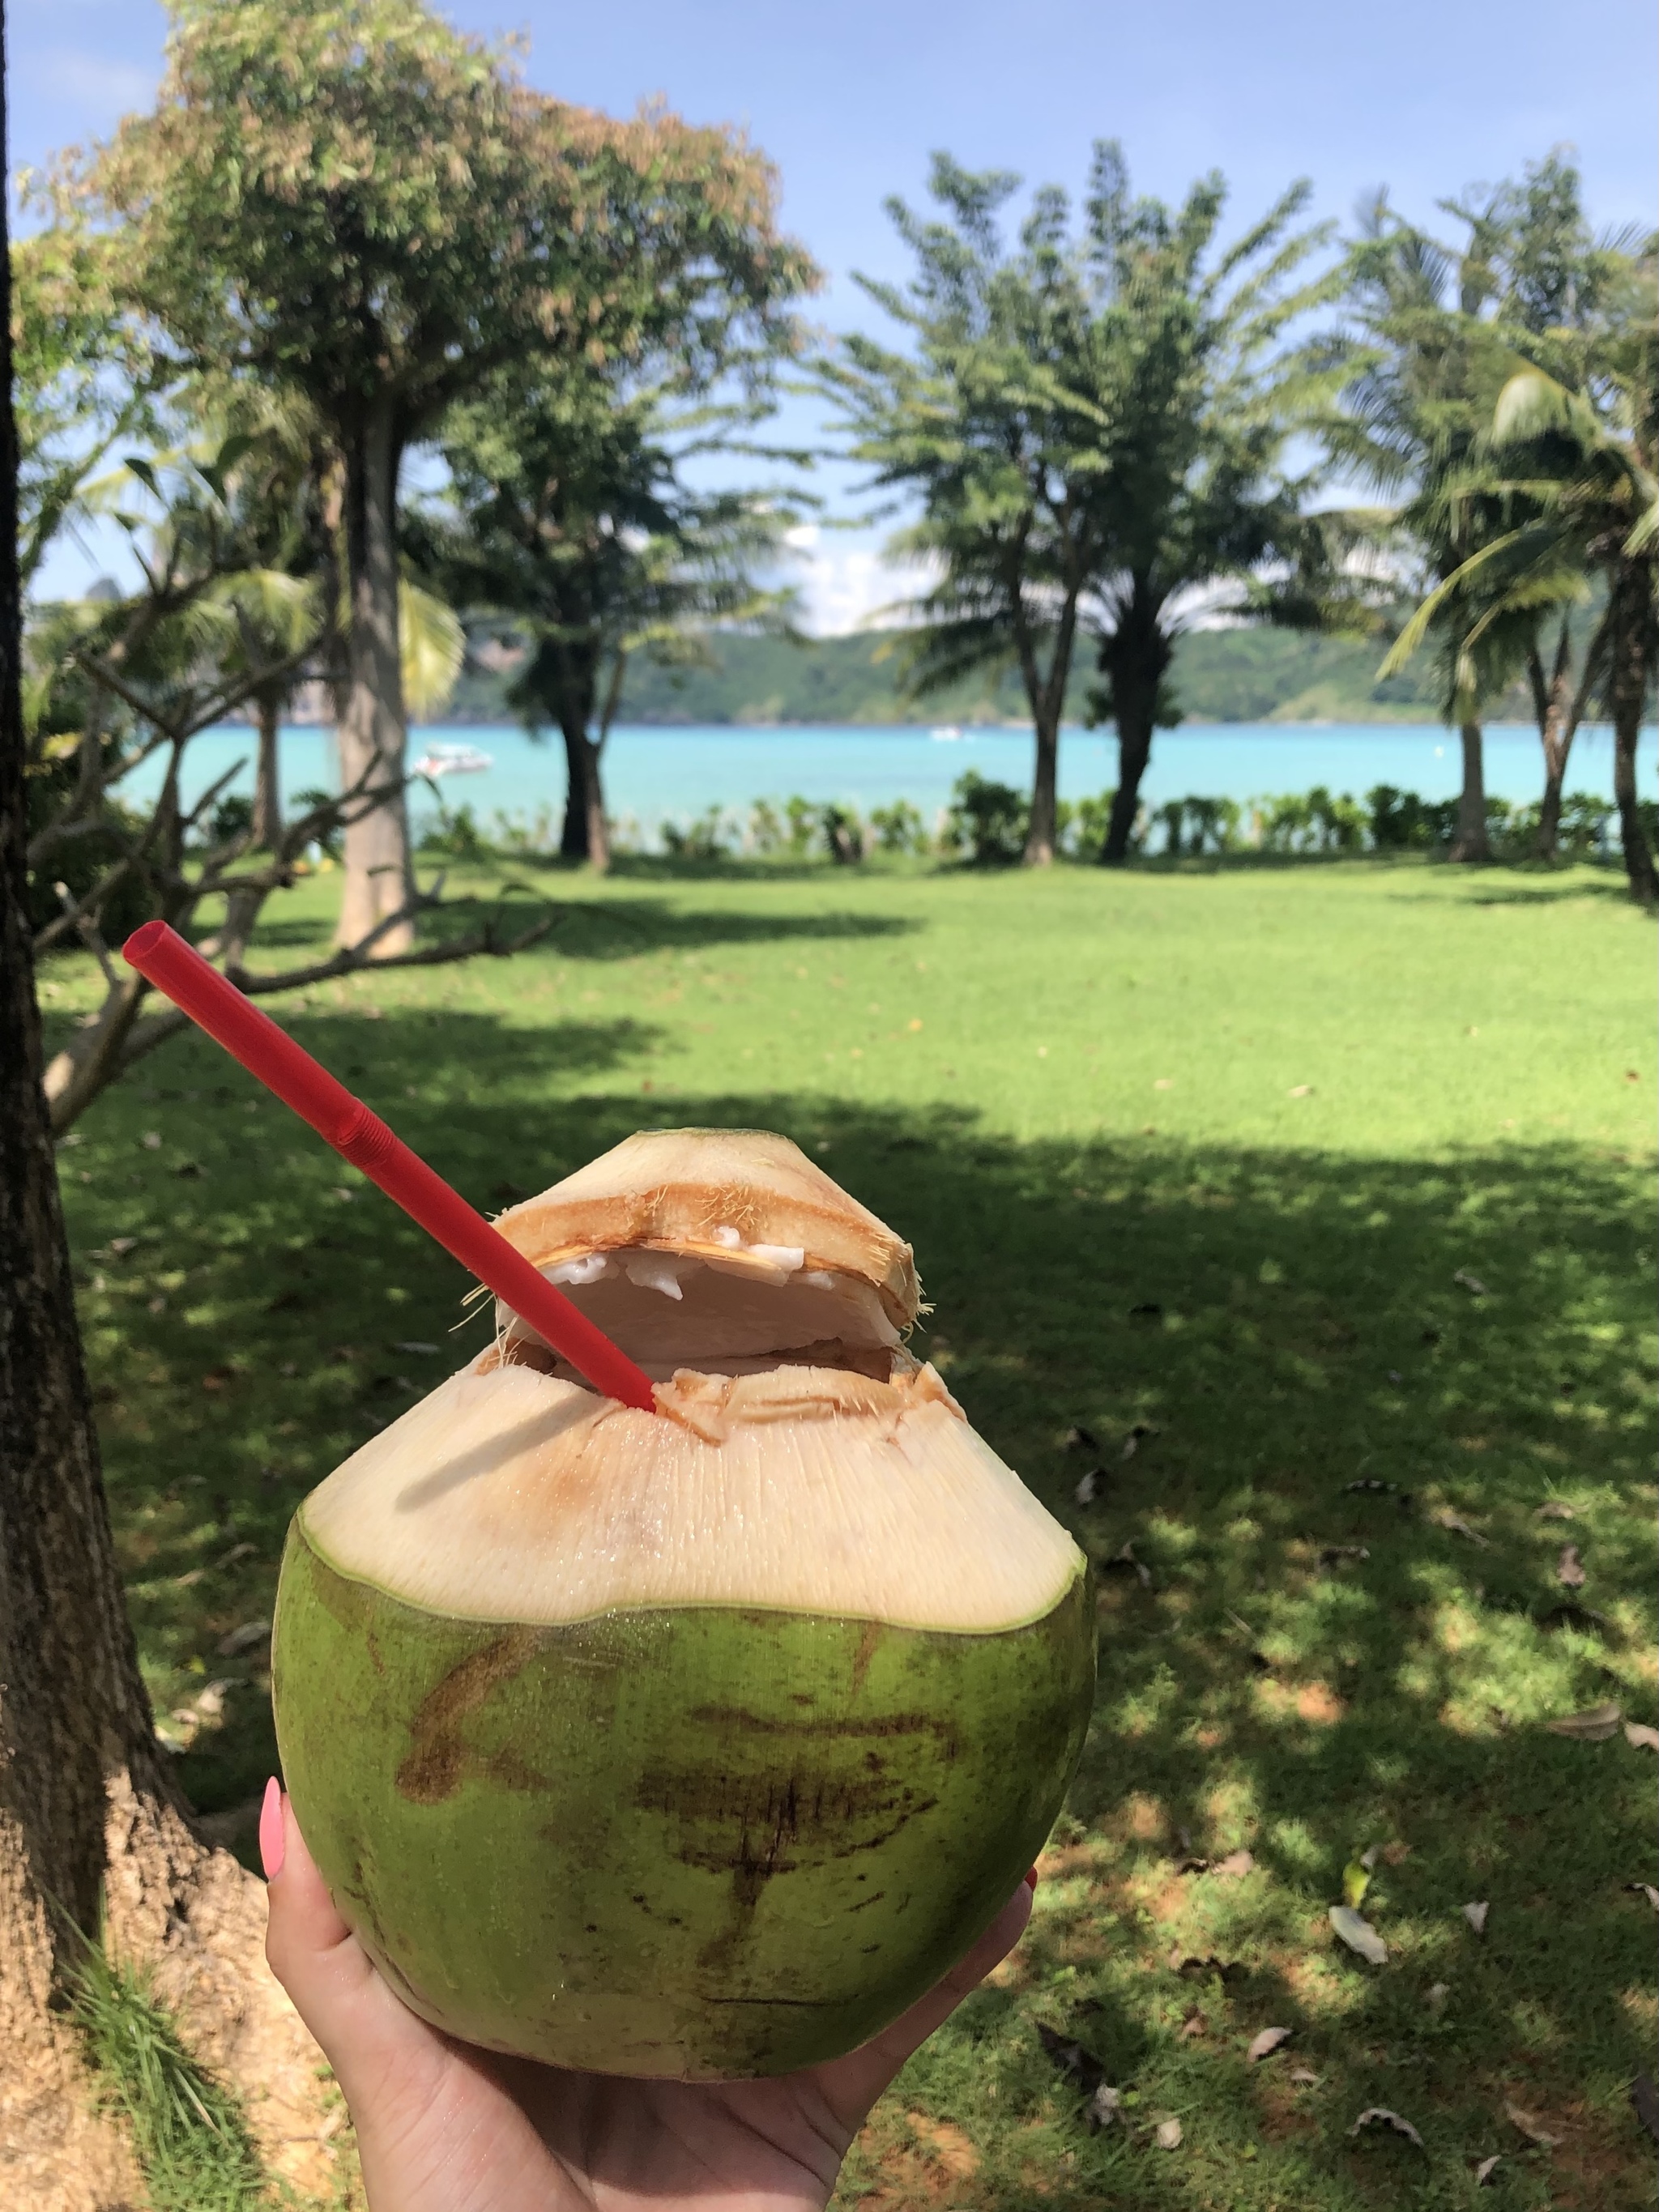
{"x":363,"y":2029}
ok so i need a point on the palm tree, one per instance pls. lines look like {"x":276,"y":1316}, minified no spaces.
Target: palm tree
{"x":1193,"y":398}
{"x":1429,"y":362}
{"x":1583,"y":467}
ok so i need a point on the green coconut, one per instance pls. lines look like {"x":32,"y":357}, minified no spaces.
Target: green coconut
{"x":696,"y":1743}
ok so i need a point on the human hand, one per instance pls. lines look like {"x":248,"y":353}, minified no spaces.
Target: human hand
{"x":443,"y":2127}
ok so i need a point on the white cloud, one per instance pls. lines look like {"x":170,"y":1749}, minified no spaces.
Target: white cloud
{"x":845,"y":582}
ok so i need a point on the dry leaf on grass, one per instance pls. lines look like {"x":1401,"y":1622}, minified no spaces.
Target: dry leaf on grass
{"x":1334,"y":1553}
{"x":1357,"y":1932}
{"x":1104,"y":2108}
{"x":1476,"y":1914}
{"x":1594,"y":1725}
{"x":1643,"y":1737}
{"x":1089,"y":1487}
{"x":1483,"y":2172}
{"x":1454,"y":1523}
{"x":1471,"y":1284}
{"x":1235,"y":1864}
{"x":1556,"y":1509}
{"x":1644,"y":2102}
{"x":1193,"y":2025}
{"x":1436,"y":1995}
{"x":1570,"y":1568}
{"x":1264,"y":2045}
{"x":1645,"y":1889}
{"x":1168,"y":2135}
{"x":1304,"y":2077}
{"x":1524,"y":2124}
{"x":1078,"y":1439}
{"x":1379,"y":2115}
{"x":414,"y":1344}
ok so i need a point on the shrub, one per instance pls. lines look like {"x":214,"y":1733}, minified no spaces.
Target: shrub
{"x":232,"y":817}
{"x":332,"y":844}
{"x":457,"y":836}
{"x":1585,"y":825}
{"x":988,"y":821}
{"x":843,"y":833}
{"x":709,"y":837}
{"x":899,"y":828}
{"x":1401,"y":821}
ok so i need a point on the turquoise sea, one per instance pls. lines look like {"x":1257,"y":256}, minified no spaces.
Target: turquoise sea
{"x":653,"y":774}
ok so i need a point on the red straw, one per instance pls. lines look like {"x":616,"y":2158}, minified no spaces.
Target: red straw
{"x":158,"y":952}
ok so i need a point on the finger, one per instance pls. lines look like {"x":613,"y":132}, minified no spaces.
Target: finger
{"x":852,"y":2085}
{"x":357,"y":2020}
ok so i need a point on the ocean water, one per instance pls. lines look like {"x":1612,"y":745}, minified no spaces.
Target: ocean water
{"x":657,"y":774}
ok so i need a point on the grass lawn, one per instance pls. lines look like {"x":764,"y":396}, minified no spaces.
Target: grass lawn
{"x":1319,"y":1195}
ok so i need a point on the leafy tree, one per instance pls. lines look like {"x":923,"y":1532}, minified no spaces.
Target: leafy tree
{"x":1581,"y":465}
{"x":91,"y":1821}
{"x":979,"y":425}
{"x":1439,"y":329}
{"x":570,"y":515}
{"x":1095,"y":426}
{"x":352,"y":199}
{"x":1197,"y":395}
{"x":114,"y":682}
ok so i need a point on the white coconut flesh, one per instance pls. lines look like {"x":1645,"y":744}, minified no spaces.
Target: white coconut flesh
{"x":798,"y":1460}
{"x":666,"y":1305}
{"x":511,"y":1494}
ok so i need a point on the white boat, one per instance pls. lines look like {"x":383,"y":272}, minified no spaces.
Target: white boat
{"x":454,"y":760}
{"x":949,"y":735}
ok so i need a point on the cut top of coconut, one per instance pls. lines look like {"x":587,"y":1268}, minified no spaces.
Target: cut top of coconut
{"x":690,"y":1244}
{"x":511,"y":1495}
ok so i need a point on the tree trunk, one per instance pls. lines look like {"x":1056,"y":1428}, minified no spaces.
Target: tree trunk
{"x":87,"y":1808}
{"x":1629,"y":669}
{"x":1470,"y":842}
{"x":585,"y":837}
{"x":379,"y":877}
{"x":267,"y":783}
{"x":1136,"y":659}
{"x":1042,"y":835}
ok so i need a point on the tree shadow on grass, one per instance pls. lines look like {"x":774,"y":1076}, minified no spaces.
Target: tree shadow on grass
{"x":598,"y":928}
{"x":1293,"y":1402}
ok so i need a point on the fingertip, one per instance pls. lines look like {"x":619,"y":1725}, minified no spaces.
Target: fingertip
{"x":273,"y":1837}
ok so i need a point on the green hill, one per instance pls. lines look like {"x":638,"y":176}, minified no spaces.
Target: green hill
{"x":1220,"y":676}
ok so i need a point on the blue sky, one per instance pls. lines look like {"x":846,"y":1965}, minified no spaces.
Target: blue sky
{"x":849,"y":100}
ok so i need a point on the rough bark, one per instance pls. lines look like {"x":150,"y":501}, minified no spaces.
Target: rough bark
{"x":379,"y":877}
{"x":1136,"y":657}
{"x":1041,"y":836}
{"x":584,"y":836}
{"x":1631,"y":663}
{"x":267,"y":778}
{"x":1470,"y":842}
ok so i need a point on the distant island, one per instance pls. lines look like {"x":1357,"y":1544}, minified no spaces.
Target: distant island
{"x":1220,"y":676}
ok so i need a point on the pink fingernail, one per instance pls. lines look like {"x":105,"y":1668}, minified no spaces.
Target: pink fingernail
{"x":273,"y":1842}
{"x":1030,"y":1879}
